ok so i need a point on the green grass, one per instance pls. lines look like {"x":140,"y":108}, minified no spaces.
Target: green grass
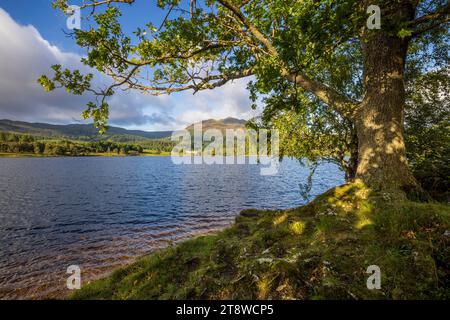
{"x":153,"y":153}
{"x":318,"y":251}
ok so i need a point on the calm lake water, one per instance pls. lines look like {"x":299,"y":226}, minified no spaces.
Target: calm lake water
{"x":102,"y":212}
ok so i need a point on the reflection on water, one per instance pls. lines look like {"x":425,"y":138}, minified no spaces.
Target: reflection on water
{"x":102,"y":212}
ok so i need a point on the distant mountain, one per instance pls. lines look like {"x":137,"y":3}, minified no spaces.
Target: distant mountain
{"x":223,"y":124}
{"x":79,"y":131}
{"x":89,"y":132}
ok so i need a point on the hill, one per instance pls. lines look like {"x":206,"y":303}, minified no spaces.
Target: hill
{"x":88,"y":132}
{"x":222,"y":124}
{"x":79,"y":131}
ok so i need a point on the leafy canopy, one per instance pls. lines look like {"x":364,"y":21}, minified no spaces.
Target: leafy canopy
{"x":303,"y":56}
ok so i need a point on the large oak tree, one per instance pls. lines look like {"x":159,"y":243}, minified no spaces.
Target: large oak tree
{"x":280,"y":43}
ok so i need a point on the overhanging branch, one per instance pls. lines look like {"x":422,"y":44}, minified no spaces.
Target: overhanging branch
{"x":431,"y":20}
{"x":206,"y":82}
{"x":331,"y":97}
{"x":342,"y":104}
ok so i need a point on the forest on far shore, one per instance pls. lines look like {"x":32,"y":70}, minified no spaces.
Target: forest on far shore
{"x":13,"y":143}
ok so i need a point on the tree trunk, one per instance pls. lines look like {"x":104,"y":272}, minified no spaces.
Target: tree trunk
{"x":382,"y":162}
{"x":352,"y":163}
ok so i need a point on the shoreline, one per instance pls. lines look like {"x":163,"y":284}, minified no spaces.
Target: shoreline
{"x":30,"y":155}
{"x":56,"y":290}
{"x":65,"y":293}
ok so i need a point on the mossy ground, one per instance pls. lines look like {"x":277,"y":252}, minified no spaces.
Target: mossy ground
{"x":318,"y":251}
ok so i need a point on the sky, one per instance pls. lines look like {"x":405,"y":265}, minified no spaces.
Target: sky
{"x":33,"y":37}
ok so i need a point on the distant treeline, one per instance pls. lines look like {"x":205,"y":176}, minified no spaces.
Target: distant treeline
{"x":18,"y":143}
{"x":30,"y":144}
{"x":158,"y":145}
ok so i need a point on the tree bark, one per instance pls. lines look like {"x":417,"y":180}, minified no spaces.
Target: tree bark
{"x":382,"y":162}
{"x":352,"y":163}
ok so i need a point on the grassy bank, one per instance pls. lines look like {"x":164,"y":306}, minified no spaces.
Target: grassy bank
{"x":318,"y":251}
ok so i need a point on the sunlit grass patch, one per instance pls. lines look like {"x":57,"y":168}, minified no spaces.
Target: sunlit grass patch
{"x":297,"y":227}
{"x":280,"y":219}
{"x":264,"y":287}
{"x":363,"y":222}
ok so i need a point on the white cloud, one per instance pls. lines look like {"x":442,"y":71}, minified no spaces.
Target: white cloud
{"x":228,"y":101}
{"x":25,"y":55}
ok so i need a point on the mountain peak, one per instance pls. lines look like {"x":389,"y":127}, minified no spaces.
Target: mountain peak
{"x":221,"y":124}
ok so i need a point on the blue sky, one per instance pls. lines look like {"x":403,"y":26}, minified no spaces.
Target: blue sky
{"x":33,"y":38}
{"x":51,"y":22}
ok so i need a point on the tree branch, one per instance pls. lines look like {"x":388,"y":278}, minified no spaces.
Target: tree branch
{"x":331,"y":97}
{"x":207,"y":82}
{"x":431,"y":20}
{"x":252,"y":28}
{"x":99,"y":3}
{"x":342,"y":104}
